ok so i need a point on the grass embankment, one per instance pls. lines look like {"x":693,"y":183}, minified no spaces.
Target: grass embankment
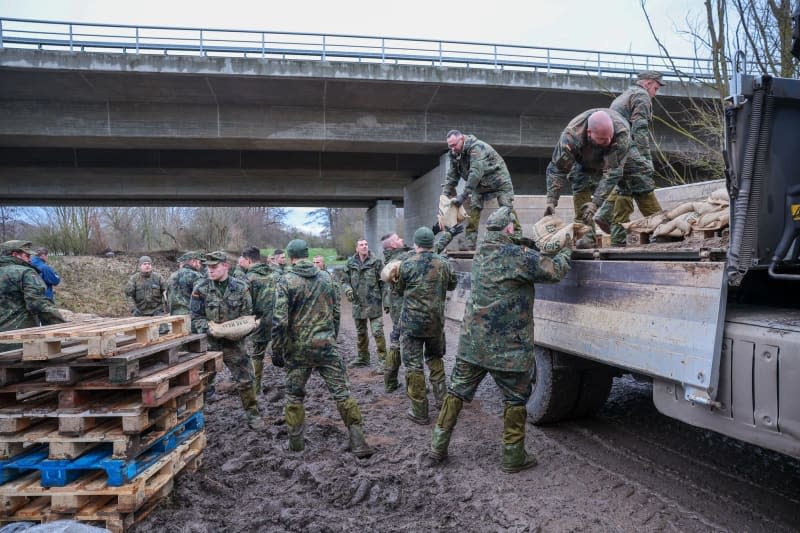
{"x":329,"y":254}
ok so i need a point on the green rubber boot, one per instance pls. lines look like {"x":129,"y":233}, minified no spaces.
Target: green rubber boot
{"x":258,"y":373}
{"x":448,"y":416}
{"x":438,"y":385}
{"x":351,"y":416}
{"x":415,"y":388}
{"x":390,"y":383}
{"x":295,"y":415}
{"x":515,"y":457}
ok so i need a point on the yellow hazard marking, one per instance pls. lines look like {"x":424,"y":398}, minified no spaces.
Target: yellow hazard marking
{"x":795,"y":211}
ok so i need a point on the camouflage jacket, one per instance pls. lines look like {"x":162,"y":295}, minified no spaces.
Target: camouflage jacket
{"x":179,"y":289}
{"x":480,"y":166}
{"x":239,"y":273}
{"x":497,"y":330}
{"x":636,"y":106}
{"x":364,"y":279}
{"x":263,"y":279}
{"x":574,"y":148}
{"x":305,"y":321}
{"x":425,"y":278}
{"x":219,"y":302}
{"x":392,"y":300}
{"x":145,"y":294}
{"x":22,"y":300}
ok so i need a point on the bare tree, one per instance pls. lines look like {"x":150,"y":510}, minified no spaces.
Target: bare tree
{"x":8,"y":222}
{"x":70,"y":230}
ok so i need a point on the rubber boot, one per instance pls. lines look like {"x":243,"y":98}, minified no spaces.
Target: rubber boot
{"x":623,"y":208}
{"x":362,"y":347}
{"x":380,"y":344}
{"x":248,"y":397}
{"x":438,"y":385}
{"x":351,"y":416}
{"x":210,"y":395}
{"x":448,"y":416}
{"x":415,"y":388}
{"x":390,"y":383}
{"x":586,"y":242}
{"x":258,"y":373}
{"x":515,"y":457}
{"x":295,"y":415}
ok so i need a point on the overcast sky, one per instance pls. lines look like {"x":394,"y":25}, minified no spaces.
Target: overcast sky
{"x":613,"y":25}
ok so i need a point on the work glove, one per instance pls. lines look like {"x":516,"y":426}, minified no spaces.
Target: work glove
{"x":277,"y":360}
{"x":587,"y":212}
{"x":455,"y":230}
{"x":386,"y":310}
{"x":549,"y":210}
{"x":349,"y":295}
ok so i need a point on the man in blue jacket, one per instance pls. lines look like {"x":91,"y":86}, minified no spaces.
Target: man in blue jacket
{"x":48,"y":274}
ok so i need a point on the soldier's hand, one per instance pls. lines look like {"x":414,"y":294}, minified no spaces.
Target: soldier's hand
{"x":455,"y":230}
{"x":549,"y":210}
{"x":457,"y":201}
{"x":349,"y":295}
{"x":277,"y":360}
{"x":587,"y":212}
{"x":435,"y":228}
{"x":386,"y":310}
{"x":448,"y":191}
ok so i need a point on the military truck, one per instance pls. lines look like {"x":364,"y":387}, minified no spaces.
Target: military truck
{"x":716,"y":329}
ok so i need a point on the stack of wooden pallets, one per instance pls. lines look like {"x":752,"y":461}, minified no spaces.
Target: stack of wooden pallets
{"x":98,"y":417}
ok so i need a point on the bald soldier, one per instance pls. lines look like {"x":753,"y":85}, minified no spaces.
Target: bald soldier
{"x":590,"y":156}
{"x":636,"y":106}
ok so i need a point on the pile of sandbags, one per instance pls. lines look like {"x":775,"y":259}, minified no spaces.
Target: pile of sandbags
{"x":551,"y":234}
{"x":711,"y":214}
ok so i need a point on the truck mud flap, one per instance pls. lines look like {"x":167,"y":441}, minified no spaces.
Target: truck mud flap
{"x":659,"y":318}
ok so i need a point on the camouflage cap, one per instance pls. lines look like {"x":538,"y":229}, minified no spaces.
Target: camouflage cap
{"x":17,"y":246}
{"x":145,"y":259}
{"x":296,"y":249}
{"x":499,"y":219}
{"x":652,"y":75}
{"x":188,"y":256}
{"x":215,"y":258}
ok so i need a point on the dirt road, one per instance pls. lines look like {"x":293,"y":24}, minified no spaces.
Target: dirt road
{"x":628,"y":469}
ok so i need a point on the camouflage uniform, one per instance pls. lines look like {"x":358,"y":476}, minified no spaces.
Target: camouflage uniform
{"x":179,"y":289}
{"x":305,"y":324}
{"x":425,"y":278}
{"x":221,"y":301}
{"x":363,"y":281}
{"x":263,"y":279}
{"x":239,"y":273}
{"x":497,"y":335}
{"x":635,"y":106}
{"x":591,"y":171}
{"x":394,"y":302}
{"x":22,"y":300}
{"x":487,"y":177}
{"x":145,"y":294}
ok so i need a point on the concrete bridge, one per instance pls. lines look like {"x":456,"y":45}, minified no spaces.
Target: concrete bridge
{"x":106,"y":127}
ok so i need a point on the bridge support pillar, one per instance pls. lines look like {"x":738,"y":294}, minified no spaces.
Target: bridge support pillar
{"x":421,"y":199}
{"x":379,"y":220}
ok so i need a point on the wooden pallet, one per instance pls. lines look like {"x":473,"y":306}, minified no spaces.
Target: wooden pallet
{"x":74,"y":365}
{"x":151,"y":425}
{"x":90,"y":499}
{"x":100,"y":337}
{"x":637,"y":238}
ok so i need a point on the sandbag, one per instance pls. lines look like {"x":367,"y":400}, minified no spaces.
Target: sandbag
{"x":720,"y":196}
{"x":678,"y":227}
{"x":646,"y":224}
{"x":714,"y":221}
{"x":390,"y":273}
{"x":233,"y":329}
{"x":449,"y":215}
{"x":703,"y":207}
{"x":551,"y":234}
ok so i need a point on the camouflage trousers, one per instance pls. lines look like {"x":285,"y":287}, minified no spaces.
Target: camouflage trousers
{"x":256,"y":351}
{"x":394,"y":314}
{"x":333,"y":373}
{"x":505,"y":198}
{"x":376,"y":325}
{"x":236,"y":358}
{"x":415,"y":350}
{"x":515,"y":386}
{"x":618,"y":208}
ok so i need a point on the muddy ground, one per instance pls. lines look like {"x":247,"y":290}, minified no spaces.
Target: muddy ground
{"x":628,"y":469}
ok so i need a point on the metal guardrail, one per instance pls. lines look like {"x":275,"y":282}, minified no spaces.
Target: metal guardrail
{"x":87,"y":37}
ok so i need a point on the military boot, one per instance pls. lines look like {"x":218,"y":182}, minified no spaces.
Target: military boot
{"x":295,"y":415}
{"x":438,"y":385}
{"x":380,"y":344}
{"x":390,"y":383}
{"x":415,"y":388}
{"x":515,"y":457}
{"x":586,"y":242}
{"x":362,"y":347}
{"x":210,"y":395}
{"x":448,"y":416}
{"x":248,"y":397}
{"x":351,"y":416}
{"x":258,"y":373}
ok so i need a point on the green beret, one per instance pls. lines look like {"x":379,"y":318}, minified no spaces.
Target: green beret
{"x":297,"y":249}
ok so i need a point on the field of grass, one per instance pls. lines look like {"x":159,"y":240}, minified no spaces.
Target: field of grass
{"x":328,"y":253}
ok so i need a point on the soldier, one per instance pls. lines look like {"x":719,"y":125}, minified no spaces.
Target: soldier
{"x":636,"y":106}
{"x":590,"y":154}
{"x":305,"y":324}
{"x":497,"y":335}
{"x":425,"y":278}
{"x":486,"y":174}
{"x":181,"y":283}
{"x":48,"y":273}
{"x":319,"y":262}
{"x":364,"y":288}
{"x":220,"y":298}
{"x":145,"y":290}
{"x":24,"y":304}
{"x":280,"y":259}
{"x":394,"y":249}
{"x":263,"y":279}
{"x":240,"y":270}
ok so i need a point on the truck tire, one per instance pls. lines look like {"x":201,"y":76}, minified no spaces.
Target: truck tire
{"x":593,"y":392}
{"x":556,"y":388}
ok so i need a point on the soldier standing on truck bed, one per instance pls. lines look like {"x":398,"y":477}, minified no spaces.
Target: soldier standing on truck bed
{"x":636,"y":106}
{"x":497,"y":335}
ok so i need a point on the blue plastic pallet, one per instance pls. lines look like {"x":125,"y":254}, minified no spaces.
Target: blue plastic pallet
{"x":60,"y":472}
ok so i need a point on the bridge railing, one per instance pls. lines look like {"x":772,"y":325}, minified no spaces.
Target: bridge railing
{"x":117,"y":38}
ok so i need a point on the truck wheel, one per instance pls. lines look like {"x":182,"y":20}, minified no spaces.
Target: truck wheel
{"x":594,"y":390}
{"x":556,"y":388}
